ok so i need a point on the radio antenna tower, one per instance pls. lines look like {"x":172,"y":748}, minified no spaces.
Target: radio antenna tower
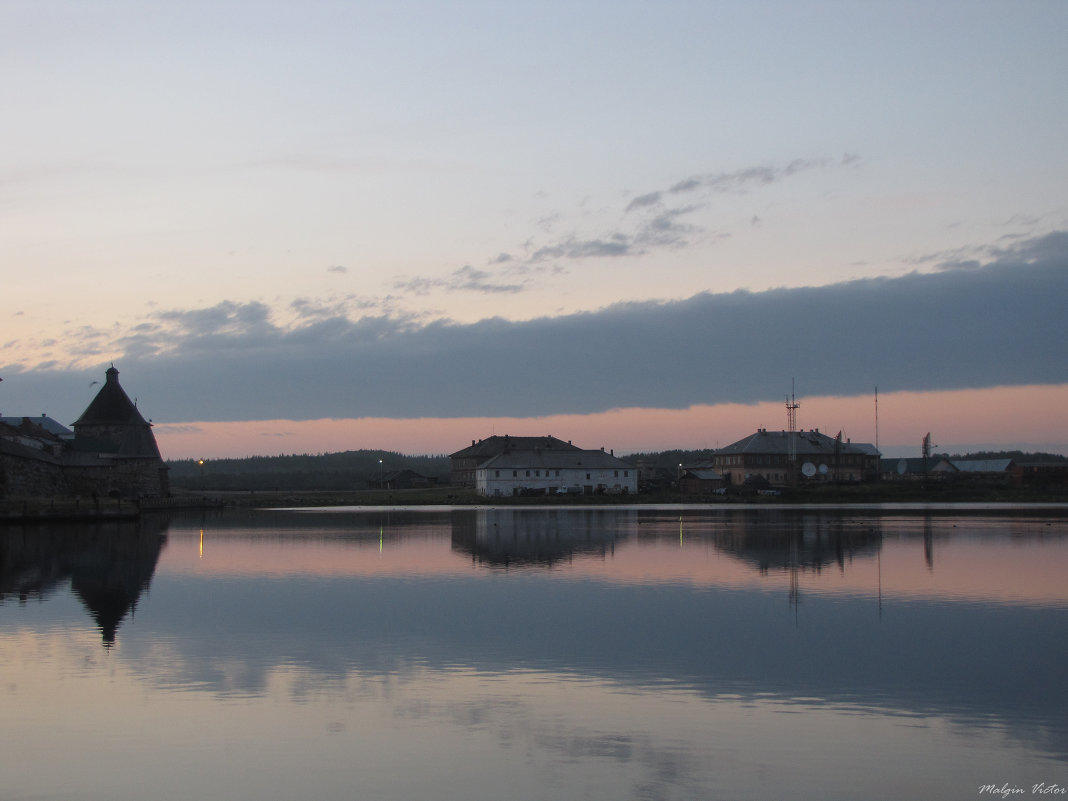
{"x":791,"y":419}
{"x":791,"y":409}
{"x":876,"y":418}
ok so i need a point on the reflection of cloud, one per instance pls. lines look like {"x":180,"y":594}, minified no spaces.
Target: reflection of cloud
{"x":703,"y":640}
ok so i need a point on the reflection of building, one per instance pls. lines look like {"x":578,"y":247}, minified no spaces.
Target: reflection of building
{"x":112,"y":452}
{"x":510,"y":536}
{"x":792,"y":541}
{"x":108,"y":565}
{"x":789,"y":458}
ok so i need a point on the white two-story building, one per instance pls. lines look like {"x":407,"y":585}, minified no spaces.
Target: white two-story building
{"x":553,"y":471}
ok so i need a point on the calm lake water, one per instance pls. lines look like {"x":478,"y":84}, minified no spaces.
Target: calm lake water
{"x":594,"y":653}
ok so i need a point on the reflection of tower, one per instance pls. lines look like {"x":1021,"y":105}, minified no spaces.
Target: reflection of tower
{"x":110,"y":575}
{"x":928,"y":544}
{"x":108,"y":565}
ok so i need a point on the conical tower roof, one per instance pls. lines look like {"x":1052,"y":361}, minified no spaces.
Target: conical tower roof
{"x":111,"y":406}
{"x":112,"y":424}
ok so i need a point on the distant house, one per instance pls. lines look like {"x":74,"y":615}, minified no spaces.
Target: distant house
{"x":43,"y":422}
{"x":507,"y":465}
{"x":915,"y":467}
{"x":464,"y":463}
{"x":548,"y":472}
{"x":791,"y":458}
{"x":1045,"y":474}
{"x":111,"y":452}
{"x":37,"y":433}
{"x":402,"y":479}
{"x":990,"y":467}
{"x":700,"y":480}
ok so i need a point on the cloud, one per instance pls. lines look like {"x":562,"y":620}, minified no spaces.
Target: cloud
{"x":642,"y":201}
{"x":646,"y":225}
{"x":472,"y":280}
{"x":465,"y":279}
{"x":1020,"y":248}
{"x":1001,"y":323}
{"x":337,"y":268}
{"x":665,"y":229}
{"x":617,"y":244}
{"x":739,"y":181}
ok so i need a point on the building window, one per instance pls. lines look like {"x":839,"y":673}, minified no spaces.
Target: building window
{"x":587,"y":476}
{"x":528,"y":474}
{"x":496,"y":473}
{"x":626,"y":473}
{"x":537,"y":474}
{"x":515,"y":474}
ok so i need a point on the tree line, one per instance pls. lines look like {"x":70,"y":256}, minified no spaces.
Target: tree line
{"x":347,"y":470}
{"x":350,"y":470}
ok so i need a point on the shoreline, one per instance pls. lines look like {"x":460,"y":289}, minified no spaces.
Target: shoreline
{"x":30,"y":510}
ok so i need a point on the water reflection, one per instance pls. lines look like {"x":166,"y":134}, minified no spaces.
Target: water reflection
{"x":784,"y":541}
{"x":637,"y":653}
{"x":507,"y":537}
{"x":107,"y":565}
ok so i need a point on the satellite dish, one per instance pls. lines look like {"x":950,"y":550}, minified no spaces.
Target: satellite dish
{"x":902,"y":467}
{"x":808,"y":470}
{"x":823,"y":469}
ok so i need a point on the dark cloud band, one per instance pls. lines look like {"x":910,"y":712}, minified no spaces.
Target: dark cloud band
{"x":1001,"y":323}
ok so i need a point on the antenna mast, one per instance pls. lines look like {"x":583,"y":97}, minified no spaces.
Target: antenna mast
{"x":791,"y":409}
{"x":876,"y":418}
{"x":791,"y":419}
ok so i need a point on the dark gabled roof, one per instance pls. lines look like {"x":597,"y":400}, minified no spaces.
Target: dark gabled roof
{"x":703,"y":473}
{"x":498,"y":443}
{"x":911,"y":465}
{"x":982,"y":465}
{"x":45,"y":422}
{"x":554,"y":460}
{"x":805,"y":443}
{"x":111,"y":406}
{"x":405,"y":473}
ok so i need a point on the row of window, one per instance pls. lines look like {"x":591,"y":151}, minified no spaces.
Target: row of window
{"x":844,"y":458}
{"x":537,"y":474}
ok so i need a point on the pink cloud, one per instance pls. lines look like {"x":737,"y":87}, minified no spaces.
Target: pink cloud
{"x":1026,"y":417}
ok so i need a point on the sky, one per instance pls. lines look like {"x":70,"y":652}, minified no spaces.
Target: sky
{"x":300,"y":228}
